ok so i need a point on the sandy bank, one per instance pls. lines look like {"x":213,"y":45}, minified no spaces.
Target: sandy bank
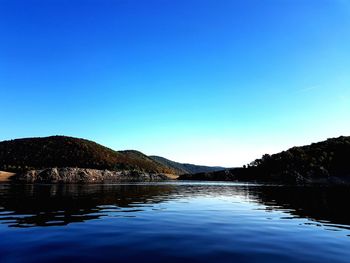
{"x":5,"y":176}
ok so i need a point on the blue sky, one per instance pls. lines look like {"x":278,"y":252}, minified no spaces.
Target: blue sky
{"x":207,"y":82}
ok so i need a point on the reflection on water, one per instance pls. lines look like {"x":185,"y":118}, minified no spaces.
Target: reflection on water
{"x":47,"y":205}
{"x":323,"y":204}
{"x":173,"y":222}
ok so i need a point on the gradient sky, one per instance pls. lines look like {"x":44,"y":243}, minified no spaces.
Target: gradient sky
{"x":207,"y":82}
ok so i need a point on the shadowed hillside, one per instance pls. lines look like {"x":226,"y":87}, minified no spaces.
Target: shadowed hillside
{"x":327,"y":159}
{"x":135,"y":159}
{"x":62,"y":151}
{"x":186,"y":168}
{"x":322,"y":162}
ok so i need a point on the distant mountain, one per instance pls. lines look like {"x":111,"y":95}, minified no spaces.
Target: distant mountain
{"x":139,"y":160}
{"x":186,"y":168}
{"x":323,"y":162}
{"x":63,"y":151}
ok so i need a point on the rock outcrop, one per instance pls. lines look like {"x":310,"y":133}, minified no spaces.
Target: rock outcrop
{"x":82,"y":175}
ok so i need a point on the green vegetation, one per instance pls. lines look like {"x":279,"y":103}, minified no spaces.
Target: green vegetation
{"x":330,"y":158}
{"x":323,"y":162}
{"x":131,"y":159}
{"x":61,"y":151}
{"x":327,"y":161}
{"x":186,"y":168}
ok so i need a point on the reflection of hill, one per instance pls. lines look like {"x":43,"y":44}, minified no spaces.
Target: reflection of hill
{"x":47,"y":205}
{"x":327,"y":204}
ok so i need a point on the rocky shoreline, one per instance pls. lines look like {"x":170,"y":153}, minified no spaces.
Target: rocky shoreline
{"x":285,"y":177}
{"x":83,"y":175}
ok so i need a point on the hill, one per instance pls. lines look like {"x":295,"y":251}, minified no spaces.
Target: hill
{"x":62,"y":151}
{"x":186,"y":168}
{"x":323,"y":162}
{"x":131,"y":158}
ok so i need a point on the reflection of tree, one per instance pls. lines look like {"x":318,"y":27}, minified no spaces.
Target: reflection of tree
{"x":47,"y":205}
{"x":317,"y":203}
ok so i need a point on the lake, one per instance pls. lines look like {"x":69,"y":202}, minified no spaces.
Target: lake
{"x":174,"y":222}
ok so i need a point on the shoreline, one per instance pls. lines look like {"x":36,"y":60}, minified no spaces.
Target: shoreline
{"x":5,"y":176}
{"x":85,"y":175}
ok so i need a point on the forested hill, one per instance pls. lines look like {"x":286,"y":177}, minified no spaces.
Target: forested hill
{"x":186,"y":168}
{"x":326,"y":161}
{"x":62,"y":151}
{"x":327,"y":158}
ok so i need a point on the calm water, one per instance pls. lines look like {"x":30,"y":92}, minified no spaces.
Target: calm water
{"x":174,"y":222}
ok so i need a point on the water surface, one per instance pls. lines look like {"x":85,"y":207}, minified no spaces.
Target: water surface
{"x":174,"y":222}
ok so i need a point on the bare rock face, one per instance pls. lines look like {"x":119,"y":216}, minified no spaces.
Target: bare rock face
{"x":81,"y":175}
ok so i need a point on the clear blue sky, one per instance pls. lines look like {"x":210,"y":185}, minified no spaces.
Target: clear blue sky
{"x":207,"y":82}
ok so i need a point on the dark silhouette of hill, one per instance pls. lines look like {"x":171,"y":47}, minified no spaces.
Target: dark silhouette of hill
{"x":186,"y":168}
{"x":322,"y":162}
{"x":62,"y":151}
